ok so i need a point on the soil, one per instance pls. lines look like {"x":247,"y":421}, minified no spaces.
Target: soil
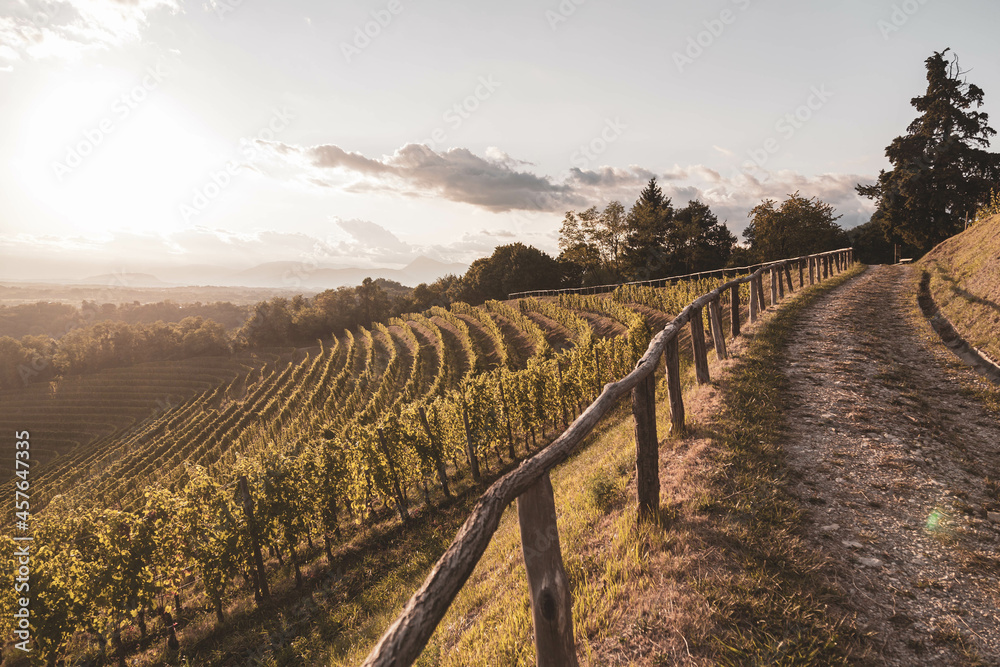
{"x":897,"y":462}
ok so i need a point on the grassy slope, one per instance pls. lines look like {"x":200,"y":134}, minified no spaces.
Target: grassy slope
{"x":722,"y":580}
{"x":965,"y":283}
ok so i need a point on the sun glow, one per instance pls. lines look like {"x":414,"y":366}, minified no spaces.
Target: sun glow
{"x":114,"y":153}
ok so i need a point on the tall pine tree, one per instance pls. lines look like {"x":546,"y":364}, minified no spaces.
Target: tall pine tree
{"x":941,"y":171}
{"x":648,"y":225}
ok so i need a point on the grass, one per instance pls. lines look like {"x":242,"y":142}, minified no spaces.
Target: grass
{"x":771,"y":599}
{"x":722,"y":578}
{"x":965,"y":283}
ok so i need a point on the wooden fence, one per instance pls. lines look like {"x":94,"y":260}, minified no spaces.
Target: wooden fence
{"x":652,"y":282}
{"x":529,"y":484}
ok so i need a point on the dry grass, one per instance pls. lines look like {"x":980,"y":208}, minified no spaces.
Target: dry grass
{"x":965,"y":283}
{"x":722,"y":578}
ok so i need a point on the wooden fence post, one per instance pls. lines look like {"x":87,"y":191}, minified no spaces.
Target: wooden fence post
{"x":802,"y":280}
{"x":469,"y":449}
{"x":774,"y":289}
{"x":258,"y":561}
{"x":404,"y":512}
{"x":548,"y":585}
{"x":812,"y":270}
{"x":788,"y":277}
{"x":826,"y":267}
{"x":672,"y":362}
{"x":754,"y":300}
{"x":698,"y":345}
{"x":718,"y":334}
{"x":779,"y":276}
{"x":734,"y":310}
{"x":438,"y":462}
{"x":647,"y":447}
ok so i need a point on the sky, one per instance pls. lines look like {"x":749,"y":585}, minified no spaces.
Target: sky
{"x":140,"y":134}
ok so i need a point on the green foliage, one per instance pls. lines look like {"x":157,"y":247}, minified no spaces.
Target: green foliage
{"x":942,"y":173}
{"x":324,"y":442}
{"x":652,"y":240}
{"x":511,"y":268}
{"x":593,"y":244}
{"x":989,"y":209}
{"x":797,"y":227}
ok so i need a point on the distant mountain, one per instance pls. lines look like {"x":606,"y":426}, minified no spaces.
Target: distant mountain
{"x":291,"y":275}
{"x":271,"y":275}
{"x":196,"y":274}
{"x":125,"y":280}
{"x":426,"y":270}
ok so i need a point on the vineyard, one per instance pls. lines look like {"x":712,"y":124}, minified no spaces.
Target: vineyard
{"x":89,"y":412}
{"x":401,"y":416}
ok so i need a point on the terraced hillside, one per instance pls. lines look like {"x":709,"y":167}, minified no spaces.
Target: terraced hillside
{"x":965,"y":283}
{"x":78,"y":415}
{"x":380,"y":420}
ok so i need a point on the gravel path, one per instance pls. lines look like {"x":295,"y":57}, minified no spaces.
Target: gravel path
{"x":898,"y":466}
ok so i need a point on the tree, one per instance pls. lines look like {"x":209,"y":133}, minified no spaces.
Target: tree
{"x":798,"y":227}
{"x":511,"y":268}
{"x":592,"y":243}
{"x":373,"y":302}
{"x":648,"y":224}
{"x":941,"y":171}
{"x":697,"y":241}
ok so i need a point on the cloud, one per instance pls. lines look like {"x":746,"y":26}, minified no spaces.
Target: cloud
{"x":500,"y":183}
{"x":496,"y":182}
{"x":66,"y":29}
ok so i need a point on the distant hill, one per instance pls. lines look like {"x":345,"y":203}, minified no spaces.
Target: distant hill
{"x":965,"y":283}
{"x":284,"y":276}
{"x":295,"y":274}
{"x":125,"y":279}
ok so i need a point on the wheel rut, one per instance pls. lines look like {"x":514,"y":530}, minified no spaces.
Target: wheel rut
{"x":896,"y":463}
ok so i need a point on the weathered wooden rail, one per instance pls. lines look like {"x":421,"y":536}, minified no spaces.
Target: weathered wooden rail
{"x":529,"y":484}
{"x":652,"y":282}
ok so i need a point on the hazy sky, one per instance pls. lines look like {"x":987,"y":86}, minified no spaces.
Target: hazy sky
{"x":138,"y":133}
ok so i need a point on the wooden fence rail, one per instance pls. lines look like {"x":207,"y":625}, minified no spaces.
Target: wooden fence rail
{"x":529,"y":484}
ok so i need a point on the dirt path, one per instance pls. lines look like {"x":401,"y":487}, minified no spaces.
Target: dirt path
{"x":898,"y":465}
